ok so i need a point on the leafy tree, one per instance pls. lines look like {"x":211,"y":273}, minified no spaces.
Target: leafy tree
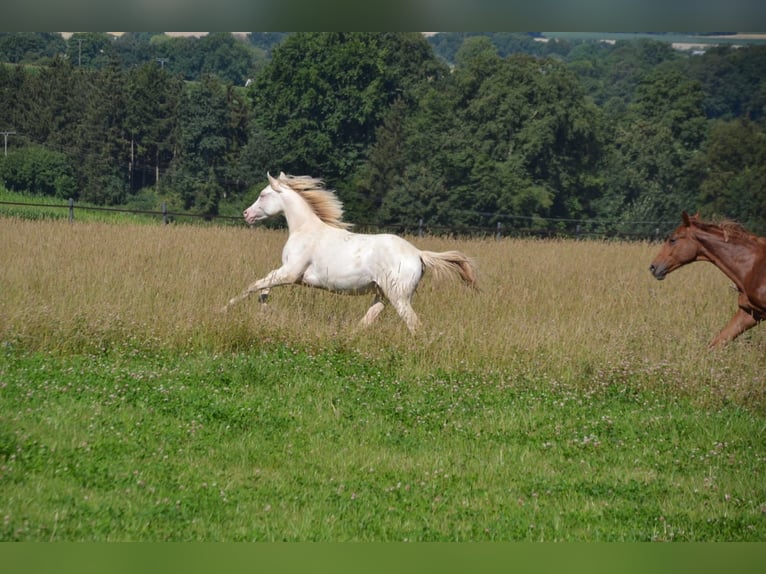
{"x":219,"y":54}
{"x":102,"y":144}
{"x":732,"y":172}
{"x":12,"y":91}
{"x":611,"y":73}
{"x":90,"y":49}
{"x":385,"y":166}
{"x":30,"y":47}
{"x":648,"y":174}
{"x":323,"y":95}
{"x":51,"y":104}
{"x":37,"y":170}
{"x":151,"y":107}
{"x":231,"y":59}
{"x":733,"y":81}
{"x":204,"y":133}
{"x":447,"y":44}
{"x":135,"y":49}
{"x":502,"y":138}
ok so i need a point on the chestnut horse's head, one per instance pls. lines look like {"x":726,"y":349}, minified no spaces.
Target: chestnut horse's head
{"x":679,"y":249}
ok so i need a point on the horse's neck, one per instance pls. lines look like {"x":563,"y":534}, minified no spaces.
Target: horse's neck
{"x":298,"y":213}
{"x":735,"y":257}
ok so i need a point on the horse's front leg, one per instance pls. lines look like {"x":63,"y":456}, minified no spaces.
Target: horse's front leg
{"x":739,"y":323}
{"x":276,"y":277}
{"x":374,"y":310}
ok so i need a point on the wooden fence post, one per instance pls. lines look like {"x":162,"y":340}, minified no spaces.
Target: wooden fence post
{"x":71,"y":209}
{"x":164,"y":213}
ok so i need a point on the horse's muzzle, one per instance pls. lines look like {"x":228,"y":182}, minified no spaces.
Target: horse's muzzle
{"x":659,"y":271}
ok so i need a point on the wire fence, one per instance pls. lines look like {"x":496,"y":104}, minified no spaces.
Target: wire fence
{"x":522,"y":226}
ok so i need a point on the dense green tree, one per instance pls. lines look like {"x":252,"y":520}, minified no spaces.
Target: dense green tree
{"x":102,"y":144}
{"x":37,"y":170}
{"x":266,"y":41}
{"x":514,"y":131}
{"x":732,"y":173}
{"x":219,"y":54}
{"x":648,"y":172}
{"x":91,"y":49}
{"x":323,"y":95}
{"x":12,"y":89}
{"x":203,"y":141}
{"x":446,"y":45}
{"x":384,"y":169}
{"x":502,"y":138}
{"x":151,"y":106}
{"x":610,"y":73}
{"x":135,"y":49}
{"x":733,"y":81}
{"x":231,"y":59}
{"x":52,"y":103}
{"x":30,"y":47}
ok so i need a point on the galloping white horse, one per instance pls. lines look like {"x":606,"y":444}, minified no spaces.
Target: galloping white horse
{"x":321,"y":252}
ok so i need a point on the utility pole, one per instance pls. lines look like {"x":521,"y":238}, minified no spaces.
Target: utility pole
{"x":5,"y":137}
{"x":162,"y":62}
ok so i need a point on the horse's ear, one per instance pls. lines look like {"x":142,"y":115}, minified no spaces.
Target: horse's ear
{"x":282,"y":175}
{"x":685,"y":217}
{"x":273,"y":182}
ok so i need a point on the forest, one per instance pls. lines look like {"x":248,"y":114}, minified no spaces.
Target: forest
{"x":457,"y":131}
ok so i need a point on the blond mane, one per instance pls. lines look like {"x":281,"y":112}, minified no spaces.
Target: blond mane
{"x":322,"y":201}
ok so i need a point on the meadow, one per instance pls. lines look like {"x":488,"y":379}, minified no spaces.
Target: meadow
{"x":571,"y":399}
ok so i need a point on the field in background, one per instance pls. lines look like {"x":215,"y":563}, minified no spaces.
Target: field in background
{"x":560,"y":308}
{"x":572,"y":398}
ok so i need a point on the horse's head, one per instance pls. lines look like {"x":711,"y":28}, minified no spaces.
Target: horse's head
{"x":679,"y":249}
{"x":269,"y":202}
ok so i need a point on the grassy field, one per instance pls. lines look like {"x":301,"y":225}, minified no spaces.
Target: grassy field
{"x":572,"y":398}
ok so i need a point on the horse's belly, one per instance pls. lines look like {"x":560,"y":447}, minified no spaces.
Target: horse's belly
{"x":352,"y":283}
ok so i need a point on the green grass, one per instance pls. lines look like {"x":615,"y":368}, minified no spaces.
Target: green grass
{"x":285,"y":444}
{"x":43,"y":208}
{"x":33,"y":207}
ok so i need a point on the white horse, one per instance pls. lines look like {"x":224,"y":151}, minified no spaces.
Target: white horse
{"x":321,"y":252}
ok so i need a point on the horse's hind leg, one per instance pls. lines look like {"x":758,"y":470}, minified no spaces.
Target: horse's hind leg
{"x":407,"y":313}
{"x":739,"y":323}
{"x":374,"y":310}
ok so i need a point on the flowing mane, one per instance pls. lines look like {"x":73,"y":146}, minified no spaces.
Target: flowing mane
{"x":322,"y":201}
{"x":727,"y":227}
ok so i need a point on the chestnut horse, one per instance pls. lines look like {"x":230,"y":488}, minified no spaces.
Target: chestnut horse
{"x":740,"y":255}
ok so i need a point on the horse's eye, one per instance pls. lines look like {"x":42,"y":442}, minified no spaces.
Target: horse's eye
{"x":672,"y":240}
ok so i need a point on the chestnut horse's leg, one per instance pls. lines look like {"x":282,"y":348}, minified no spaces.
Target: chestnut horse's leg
{"x":739,"y":323}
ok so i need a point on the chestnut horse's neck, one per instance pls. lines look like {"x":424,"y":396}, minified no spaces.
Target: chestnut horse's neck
{"x":733,"y":251}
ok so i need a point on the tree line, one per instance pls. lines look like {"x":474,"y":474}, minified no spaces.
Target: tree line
{"x":457,"y":130}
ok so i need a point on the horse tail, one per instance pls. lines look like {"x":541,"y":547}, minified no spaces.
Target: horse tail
{"x":451,"y":262}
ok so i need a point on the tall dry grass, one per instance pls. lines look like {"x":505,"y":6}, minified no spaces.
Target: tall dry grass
{"x":557,"y":312}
